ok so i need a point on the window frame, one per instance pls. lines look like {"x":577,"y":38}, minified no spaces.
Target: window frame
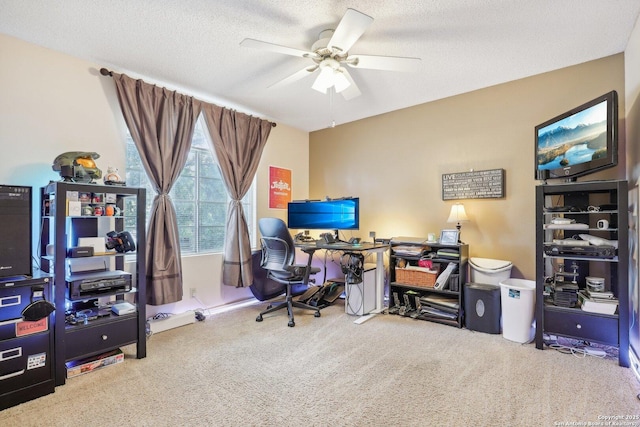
{"x":201,"y":146}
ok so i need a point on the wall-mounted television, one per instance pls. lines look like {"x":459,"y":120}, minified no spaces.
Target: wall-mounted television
{"x":331,"y":214}
{"x":578,"y":142}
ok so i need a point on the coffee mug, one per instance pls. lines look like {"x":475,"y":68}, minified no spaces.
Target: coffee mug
{"x":603,"y":224}
{"x":431,"y":237}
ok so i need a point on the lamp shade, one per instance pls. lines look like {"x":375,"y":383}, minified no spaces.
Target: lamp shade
{"x":457,"y":214}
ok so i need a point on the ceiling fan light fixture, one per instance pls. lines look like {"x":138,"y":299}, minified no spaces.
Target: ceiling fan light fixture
{"x":340,"y":81}
{"x":330,"y":75}
{"x":324,"y":80}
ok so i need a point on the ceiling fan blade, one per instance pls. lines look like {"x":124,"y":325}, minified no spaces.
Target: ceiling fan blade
{"x":298,"y":75}
{"x":352,"y":25}
{"x":352,"y":91}
{"x":387,"y":63}
{"x":257,"y":44}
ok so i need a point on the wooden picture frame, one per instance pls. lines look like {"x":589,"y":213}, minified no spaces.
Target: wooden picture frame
{"x":449,"y":237}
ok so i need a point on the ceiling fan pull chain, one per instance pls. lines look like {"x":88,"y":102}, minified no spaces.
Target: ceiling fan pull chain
{"x":331,"y":92}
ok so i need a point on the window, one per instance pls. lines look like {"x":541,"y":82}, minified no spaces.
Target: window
{"x":199,"y":196}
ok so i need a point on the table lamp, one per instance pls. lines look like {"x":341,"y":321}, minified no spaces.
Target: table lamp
{"x":458,"y":215}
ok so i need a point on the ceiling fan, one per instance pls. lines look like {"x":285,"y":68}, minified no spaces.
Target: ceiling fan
{"x":330,"y":54}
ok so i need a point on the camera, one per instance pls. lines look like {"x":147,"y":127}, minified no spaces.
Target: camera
{"x":120,"y":241}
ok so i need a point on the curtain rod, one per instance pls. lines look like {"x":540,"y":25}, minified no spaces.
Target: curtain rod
{"x":109,"y":73}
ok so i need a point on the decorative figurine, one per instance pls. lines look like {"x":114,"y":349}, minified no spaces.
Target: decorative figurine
{"x":112,"y":177}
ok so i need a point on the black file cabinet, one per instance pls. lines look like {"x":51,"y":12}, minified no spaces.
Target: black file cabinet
{"x":26,"y":347}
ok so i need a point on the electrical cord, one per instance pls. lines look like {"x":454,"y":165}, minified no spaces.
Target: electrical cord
{"x":350,"y":297}
{"x":577,"y":348}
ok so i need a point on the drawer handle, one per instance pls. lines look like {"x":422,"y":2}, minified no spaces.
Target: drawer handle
{"x":11,"y":353}
{"x":104,"y":337}
{"x":11,"y":300}
{"x":11,"y":375}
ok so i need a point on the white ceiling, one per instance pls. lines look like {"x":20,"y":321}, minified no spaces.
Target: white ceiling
{"x":194,"y":45}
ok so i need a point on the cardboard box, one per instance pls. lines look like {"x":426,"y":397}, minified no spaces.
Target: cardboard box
{"x":83,"y":366}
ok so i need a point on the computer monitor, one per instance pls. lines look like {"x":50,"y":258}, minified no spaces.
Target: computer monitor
{"x":330,"y":214}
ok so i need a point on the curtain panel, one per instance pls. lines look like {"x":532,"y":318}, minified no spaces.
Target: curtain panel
{"x":238,"y":141}
{"x":161,"y":123}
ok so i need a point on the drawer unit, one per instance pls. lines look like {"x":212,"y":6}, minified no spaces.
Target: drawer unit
{"x":26,"y":347}
{"x":82,"y":341}
{"x":16,"y":295}
{"x":24,"y":361}
{"x":601,"y":329}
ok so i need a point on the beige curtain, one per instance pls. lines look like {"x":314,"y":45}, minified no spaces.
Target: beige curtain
{"x":238,"y":141}
{"x":161,"y":123}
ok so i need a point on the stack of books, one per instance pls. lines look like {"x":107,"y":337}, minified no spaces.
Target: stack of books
{"x":598,"y":302}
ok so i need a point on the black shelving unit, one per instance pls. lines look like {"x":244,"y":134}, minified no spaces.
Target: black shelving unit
{"x":561,"y":266}
{"x":408,"y":295}
{"x":62,"y":226}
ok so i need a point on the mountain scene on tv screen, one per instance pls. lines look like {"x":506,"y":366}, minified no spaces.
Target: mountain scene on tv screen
{"x":565,"y":146}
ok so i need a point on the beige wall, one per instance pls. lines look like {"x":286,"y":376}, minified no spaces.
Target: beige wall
{"x":394,"y":162}
{"x":51,"y":103}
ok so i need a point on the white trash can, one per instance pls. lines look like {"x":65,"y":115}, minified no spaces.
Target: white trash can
{"x":489,"y":271}
{"x":518,"y":300}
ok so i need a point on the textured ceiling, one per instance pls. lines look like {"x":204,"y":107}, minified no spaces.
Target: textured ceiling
{"x":194,"y":45}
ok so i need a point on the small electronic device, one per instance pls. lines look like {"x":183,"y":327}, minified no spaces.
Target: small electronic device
{"x":93,"y":284}
{"x":122,"y":308}
{"x":354,"y":241}
{"x":328,"y":238}
{"x":80,"y":252}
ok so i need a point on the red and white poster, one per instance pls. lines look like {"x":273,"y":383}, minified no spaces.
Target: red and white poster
{"x":279,"y":187}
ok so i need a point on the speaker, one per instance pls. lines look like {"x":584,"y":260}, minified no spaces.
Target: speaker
{"x":482,"y":307}
{"x":15,"y":230}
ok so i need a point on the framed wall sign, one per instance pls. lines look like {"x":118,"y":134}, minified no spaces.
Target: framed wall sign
{"x":449,"y":237}
{"x":486,"y":184}
{"x":279,"y":187}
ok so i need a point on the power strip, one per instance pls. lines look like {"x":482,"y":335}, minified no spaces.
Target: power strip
{"x":174,"y":321}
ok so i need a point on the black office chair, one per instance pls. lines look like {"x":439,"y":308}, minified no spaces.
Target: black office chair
{"x":278,"y":258}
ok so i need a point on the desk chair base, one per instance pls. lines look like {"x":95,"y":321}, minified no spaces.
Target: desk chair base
{"x":289,"y":304}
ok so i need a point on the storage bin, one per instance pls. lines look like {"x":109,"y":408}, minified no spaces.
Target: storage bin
{"x":518,"y":297}
{"x":489,"y":271}
{"x":416,"y":276}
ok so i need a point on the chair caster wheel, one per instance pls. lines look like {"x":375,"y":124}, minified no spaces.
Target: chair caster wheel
{"x":270,"y":306}
{"x":316,"y":314}
{"x":291,"y":323}
{"x":259,"y":318}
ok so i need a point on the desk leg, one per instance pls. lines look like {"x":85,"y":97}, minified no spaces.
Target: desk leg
{"x":379,"y":281}
{"x":379,"y":289}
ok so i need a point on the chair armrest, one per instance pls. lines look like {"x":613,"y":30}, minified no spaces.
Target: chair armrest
{"x":301,"y":269}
